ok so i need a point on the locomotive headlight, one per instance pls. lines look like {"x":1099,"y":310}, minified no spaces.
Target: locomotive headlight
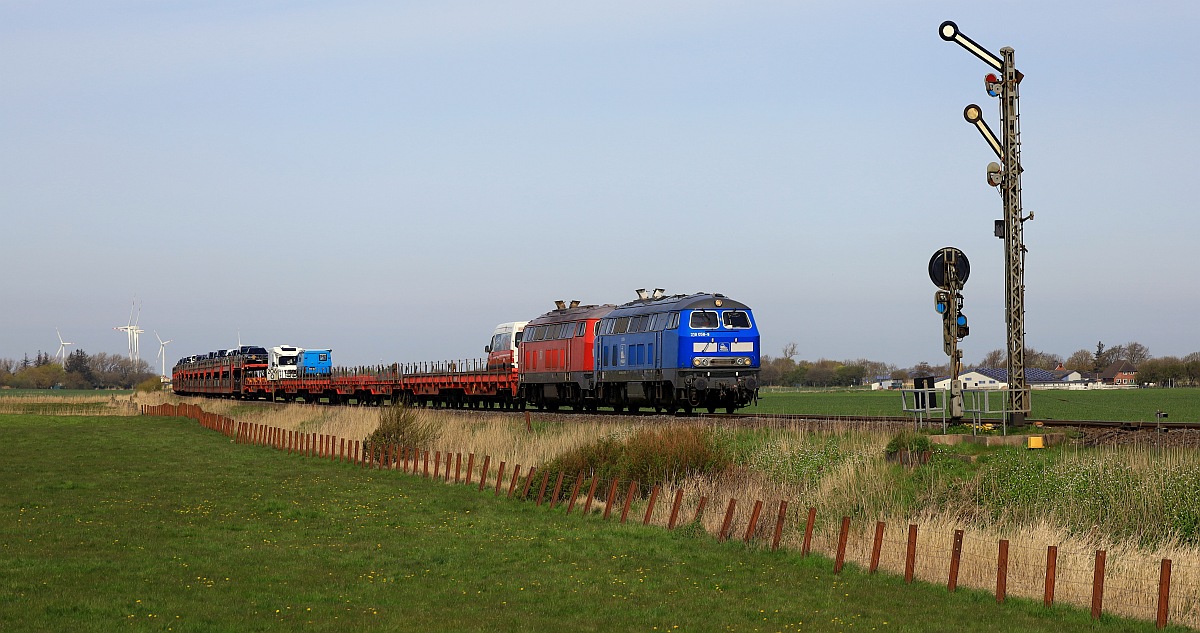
{"x":695,"y":362}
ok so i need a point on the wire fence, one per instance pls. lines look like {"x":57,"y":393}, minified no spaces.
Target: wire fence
{"x":1134,"y":587}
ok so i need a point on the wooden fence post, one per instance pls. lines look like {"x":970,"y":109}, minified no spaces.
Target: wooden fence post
{"x":437,"y":465}
{"x":446,"y":476}
{"x":910,"y":555}
{"x":1002,"y":571}
{"x":516,"y":476}
{"x":557,"y":488}
{"x":955,"y":559}
{"x":700,"y":509}
{"x":843,"y":534}
{"x":779,"y":525}
{"x":753,"y":521}
{"x":1164,"y":592}
{"x":628,"y":499}
{"x":650,"y":506}
{"x":591,"y":491}
{"x":499,"y":478}
{"x":612,"y":493}
{"x":808,"y":531}
{"x":724,"y":533}
{"x":675,"y":508}
{"x":1051,"y":568}
{"x":470,"y":467}
{"x":876,"y":546}
{"x":425,"y":465}
{"x":575,"y":491}
{"x":457,"y":468}
{"x":1098,"y":585}
{"x":528,"y":482}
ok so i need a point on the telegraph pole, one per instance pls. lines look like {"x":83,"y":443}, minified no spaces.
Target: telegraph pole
{"x":1006,"y":86}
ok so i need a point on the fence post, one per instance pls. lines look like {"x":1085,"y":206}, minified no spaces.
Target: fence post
{"x":808,"y":531}
{"x":1164,"y":592}
{"x":591,"y":491}
{"x":516,"y":477}
{"x":779,"y":525}
{"x":470,"y":466}
{"x":753,"y":521}
{"x":425,"y":465}
{"x":675,"y":508}
{"x":487,"y":460}
{"x":877,"y":545}
{"x":437,"y":465}
{"x":360,"y":456}
{"x":955,"y":559}
{"x":542,"y":490}
{"x":843,"y":534}
{"x":457,"y":468}
{"x":628,"y":500}
{"x":557,"y":488}
{"x":575,"y":491}
{"x":700,"y":509}
{"x":1098,"y":585}
{"x":612,"y":493}
{"x":499,"y":478}
{"x":650,"y":506}
{"x":1002,"y":571}
{"x":910,"y":556}
{"x":446,"y":475}
{"x":724,"y":533}
{"x":528,"y":482}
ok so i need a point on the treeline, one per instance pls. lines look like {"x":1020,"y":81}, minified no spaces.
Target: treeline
{"x":80,"y":371}
{"x":786,"y":370}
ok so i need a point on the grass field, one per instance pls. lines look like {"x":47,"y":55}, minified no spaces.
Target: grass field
{"x":155,"y":524}
{"x":1182,"y":404}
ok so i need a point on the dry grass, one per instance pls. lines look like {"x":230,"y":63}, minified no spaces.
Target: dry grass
{"x":856,"y":484}
{"x":98,"y":403}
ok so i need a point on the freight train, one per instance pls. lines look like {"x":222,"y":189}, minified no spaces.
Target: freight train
{"x":666,"y":353}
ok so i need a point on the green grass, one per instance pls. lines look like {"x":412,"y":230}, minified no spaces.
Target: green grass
{"x":67,"y":393}
{"x":1182,"y":404}
{"x":155,"y":524}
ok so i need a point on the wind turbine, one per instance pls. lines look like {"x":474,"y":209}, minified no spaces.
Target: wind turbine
{"x":131,"y":329}
{"x":62,"y":348}
{"x":162,"y":352}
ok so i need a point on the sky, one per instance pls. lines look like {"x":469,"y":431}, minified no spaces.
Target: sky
{"x":392,"y":179}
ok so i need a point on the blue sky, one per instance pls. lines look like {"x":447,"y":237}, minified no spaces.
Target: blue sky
{"x":392,"y":179}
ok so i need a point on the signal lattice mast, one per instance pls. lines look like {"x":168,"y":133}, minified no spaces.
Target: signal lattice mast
{"x":1006,"y":86}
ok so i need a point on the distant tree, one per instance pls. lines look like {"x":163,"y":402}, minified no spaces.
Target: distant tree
{"x":820,"y":375}
{"x":996,"y":358}
{"x":922,"y":370}
{"x":849,"y":375}
{"x":1135,"y":353}
{"x":42,"y":359}
{"x":798,"y":374}
{"x":79,"y":370}
{"x":790,"y":350}
{"x":899,"y":374}
{"x":1081,"y":360}
{"x":1041,"y":360}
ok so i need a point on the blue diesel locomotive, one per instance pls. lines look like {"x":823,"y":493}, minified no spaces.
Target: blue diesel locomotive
{"x":677,"y":353}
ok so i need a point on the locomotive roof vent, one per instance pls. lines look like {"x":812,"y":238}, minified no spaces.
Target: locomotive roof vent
{"x":658,"y":293}
{"x":641,"y":293}
{"x":560,"y":304}
{"x":575,"y":303}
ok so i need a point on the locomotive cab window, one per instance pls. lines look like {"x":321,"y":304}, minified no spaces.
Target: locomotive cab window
{"x":674,"y":322}
{"x":579,"y":329}
{"x":704,"y":320}
{"x":622,"y":325}
{"x":735,"y":319}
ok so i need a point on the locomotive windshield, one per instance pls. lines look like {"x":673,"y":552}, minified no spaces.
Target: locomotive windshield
{"x":704,"y":320}
{"x":734,"y":319}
